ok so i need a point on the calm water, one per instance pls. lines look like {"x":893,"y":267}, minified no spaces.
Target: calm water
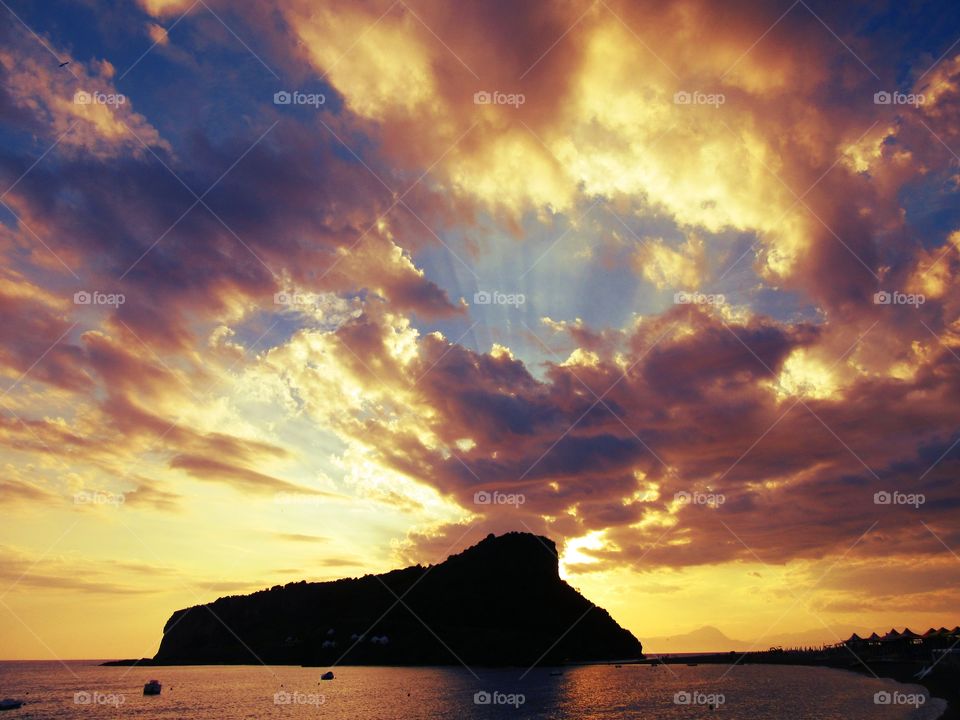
{"x":83,"y":690}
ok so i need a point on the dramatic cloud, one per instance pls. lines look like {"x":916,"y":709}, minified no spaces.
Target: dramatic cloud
{"x":674,"y":284}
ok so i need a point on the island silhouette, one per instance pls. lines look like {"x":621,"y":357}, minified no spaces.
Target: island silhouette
{"x":500,"y":602}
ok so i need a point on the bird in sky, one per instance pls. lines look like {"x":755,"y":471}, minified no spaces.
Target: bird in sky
{"x":64,"y":64}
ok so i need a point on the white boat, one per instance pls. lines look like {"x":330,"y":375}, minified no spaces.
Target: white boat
{"x":152,"y":688}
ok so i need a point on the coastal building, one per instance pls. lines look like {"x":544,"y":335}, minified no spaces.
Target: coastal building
{"x":855,"y":643}
{"x":902,"y":644}
{"x":910,"y":637}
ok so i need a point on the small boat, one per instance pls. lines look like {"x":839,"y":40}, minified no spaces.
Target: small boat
{"x":152,"y":688}
{"x":618,"y":666}
{"x":328,"y":675}
{"x":10,"y":704}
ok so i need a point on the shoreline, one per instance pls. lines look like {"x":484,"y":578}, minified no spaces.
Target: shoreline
{"x":938,"y":683}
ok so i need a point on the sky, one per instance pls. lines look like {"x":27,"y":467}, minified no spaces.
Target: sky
{"x":297,"y":290}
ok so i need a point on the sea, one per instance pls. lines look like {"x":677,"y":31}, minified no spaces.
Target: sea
{"x":83,"y":689}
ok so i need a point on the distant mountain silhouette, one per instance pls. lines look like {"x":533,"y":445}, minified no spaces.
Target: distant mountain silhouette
{"x":500,"y":602}
{"x":710,"y":639}
{"x":705,"y":639}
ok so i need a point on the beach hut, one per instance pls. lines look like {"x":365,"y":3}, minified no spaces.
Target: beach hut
{"x":854,"y":641}
{"x":908,"y":636}
{"x":937,"y":639}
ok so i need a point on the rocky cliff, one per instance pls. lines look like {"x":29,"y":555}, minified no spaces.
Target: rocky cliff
{"x":500,"y":602}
